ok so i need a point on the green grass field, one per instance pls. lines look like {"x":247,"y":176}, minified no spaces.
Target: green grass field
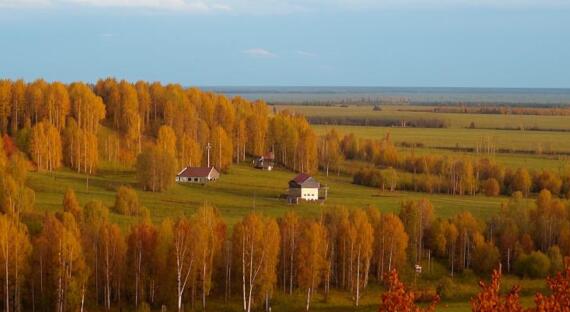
{"x":240,"y":191}
{"x":441,"y":141}
{"x":547,"y":141}
{"x":244,"y":189}
{"x":454,"y":120}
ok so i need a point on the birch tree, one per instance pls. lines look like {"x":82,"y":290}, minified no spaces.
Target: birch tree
{"x":252,"y":255}
{"x":312,"y":262}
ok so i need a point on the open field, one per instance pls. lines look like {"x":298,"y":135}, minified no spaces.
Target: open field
{"x":453,"y":120}
{"x":531,"y":141}
{"x":442,"y":141}
{"x":236,"y":193}
{"x":244,"y":188}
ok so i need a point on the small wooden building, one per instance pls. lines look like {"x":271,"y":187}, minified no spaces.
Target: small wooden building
{"x":265,"y":162}
{"x":200,"y":175}
{"x":305,"y":187}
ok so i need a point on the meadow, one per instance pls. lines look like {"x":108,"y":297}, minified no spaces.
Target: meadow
{"x":455,"y":138}
{"x":240,"y":191}
{"x":244,"y":189}
{"x":453,"y":120}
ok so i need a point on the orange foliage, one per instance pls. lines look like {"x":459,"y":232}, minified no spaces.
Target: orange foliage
{"x":559,"y":300}
{"x":489,"y":299}
{"x":398,"y":299}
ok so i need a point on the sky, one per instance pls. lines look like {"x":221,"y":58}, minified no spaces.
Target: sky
{"x":408,"y":43}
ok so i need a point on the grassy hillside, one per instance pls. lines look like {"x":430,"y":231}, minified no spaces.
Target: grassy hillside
{"x":244,"y":189}
{"x":238,"y":192}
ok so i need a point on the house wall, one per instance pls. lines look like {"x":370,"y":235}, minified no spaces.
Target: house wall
{"x":192,"y":180}
{"x":310,"y":193}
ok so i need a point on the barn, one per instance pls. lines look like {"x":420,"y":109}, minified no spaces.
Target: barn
{"x":200,"y":175}
{"x":305,"y":187}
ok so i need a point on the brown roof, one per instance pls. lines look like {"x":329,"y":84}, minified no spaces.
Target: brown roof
{"x":269,"y":156}
{"x":301,"y":177}
{"x":195,"y":172}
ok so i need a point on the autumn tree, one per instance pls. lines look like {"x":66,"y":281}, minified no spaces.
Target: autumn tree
{"x":35,"y":101}
{"x":289,"y":226}
{"x":127,"y":202}
{"x":390,"y":243}
{"x":252,"y":254}
{"x":311,"y":261}
{"x":521,"y":181}
{"x":141,"y":275}
{"x":17,"y":104}
{"x":95,"y":217}
{"x":361,"y":255}
{"x":15,"y":248}
{"x":559,"y":300}
{"x":329,"y":151}
{"x":222,"y":150}
{"x":189,"y":152}
{"x":71,"y":205}
{"x":210,"y":232}
{"x":15,"y":197}
{"x":485,"y":257}
{"x":144,"y":101}
{"x":166,"y":141}
{"x":57,"y":104}
{"x":45,"y":146}
{"x":64,"y":256}
{"x":130,"y":122}
{"x":185,"y":257}
{"x":417,"y":217}
{"x":156,"y":169}
{"x":489,"y":299}
{"x":5,"y":104}
{"x":112,"y":250}
{"x":397,"y":298}
{"x":491,"y":187}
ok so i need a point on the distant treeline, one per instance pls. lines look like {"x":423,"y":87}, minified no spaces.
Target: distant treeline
{"x":459,"y":108}
{"x":359,"y":121}
{"x":439,"y":104}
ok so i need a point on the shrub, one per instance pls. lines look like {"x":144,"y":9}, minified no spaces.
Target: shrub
{"x":491,"y":187}
{"x":556,"y":261}
{"x":534,"y":265}
{"x":127,"y":202}
{"x":485,"y":258}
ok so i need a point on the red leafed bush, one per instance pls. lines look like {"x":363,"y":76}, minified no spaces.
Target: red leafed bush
{"x":398,"y":299}
{"x":489,"y":299}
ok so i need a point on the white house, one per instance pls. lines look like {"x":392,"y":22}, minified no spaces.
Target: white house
{"x":201,"y":175}
{"x":305,"y":187}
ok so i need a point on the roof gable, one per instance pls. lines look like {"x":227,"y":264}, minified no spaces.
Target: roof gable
{"x":200,"y":172}
{"x":304,"y":180}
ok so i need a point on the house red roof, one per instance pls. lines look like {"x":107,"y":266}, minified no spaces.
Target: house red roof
{"x":200,"y":172}
{"x":269,"y":156}
{"x":302,"y":177}
{"x":304,"y":180}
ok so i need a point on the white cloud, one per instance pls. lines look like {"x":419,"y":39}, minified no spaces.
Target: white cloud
{"x":149,"y":4}
{"x":173,"y":5}
{"x":259,"y":53}
{"x":305,"y":53}
{"x":289,"y":6}
{"x":24,"y":3}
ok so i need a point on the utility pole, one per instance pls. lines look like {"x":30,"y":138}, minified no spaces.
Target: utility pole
{"x":208,"y":147}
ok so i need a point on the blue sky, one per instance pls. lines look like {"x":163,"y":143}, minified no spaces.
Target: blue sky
{"x":459,"y":43}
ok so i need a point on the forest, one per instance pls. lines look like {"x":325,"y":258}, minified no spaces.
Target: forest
{"x":77,"y":258}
